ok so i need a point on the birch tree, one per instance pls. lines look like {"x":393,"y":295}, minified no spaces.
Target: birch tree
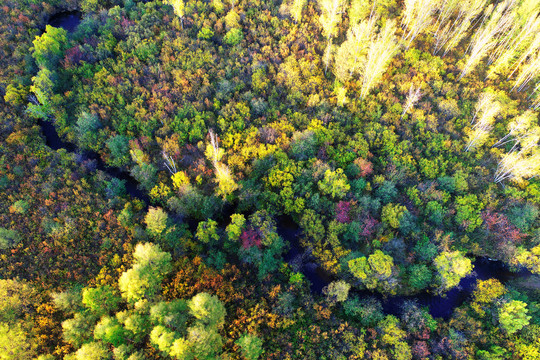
{"x":486,"y":38}
{"x":330,"y":17}
{"x":454,"y":20}
{"x":535,"y":95}
{"x":487,"y":109}
{"x":523,"y":161}
{"x":381,"y":51}
{"x":417,"y":16}
{"x":517,"y":46}
{"x":351,"y":54}
{"x":518,"y":127}
{"x":412,"y":98}
{"x":179,"y":9}
{"x":296,"y":9}
{"x":226,"y":183}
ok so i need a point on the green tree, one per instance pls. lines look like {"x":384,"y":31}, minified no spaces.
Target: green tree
{"x":419,"y":276}
{"x":452,"y":267}
{"x":15,"y":343}
{"x":16,"y":298}
{"x":78,"y":329}
{"x":392,"y":214}
{"x":156,"y":221}
{"x":143,"y":279}
{"x":513,"y":316}
{"x":468,"y":210}
{"x":100,"y":300}
{"x":109,"y":330}
{"x":119,"y":148}
{"x":207,"y":309}
{"x":49,"y":48}
{"x":8,"y":238}
{"x":234,"y":229}
{"x":93,"y":351}
{"x":173,"y":314}
{"x":334,"y":184}
{"x":207,"y":231}
{"x":373,"y":271}
{"x":250,"y":346}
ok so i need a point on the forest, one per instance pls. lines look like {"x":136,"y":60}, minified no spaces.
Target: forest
{"x":294,"y":179}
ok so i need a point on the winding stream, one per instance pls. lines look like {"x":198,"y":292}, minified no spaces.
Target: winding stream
{"x":299,"y":258}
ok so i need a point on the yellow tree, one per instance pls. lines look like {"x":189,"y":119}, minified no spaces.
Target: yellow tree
{"x":179,"y":9}
{"x":296,"y":9}
{"x":331,"y":11}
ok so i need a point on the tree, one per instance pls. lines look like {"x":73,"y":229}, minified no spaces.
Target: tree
{"x":8,"y":238}
{"x":144,"y":278}
{"x":513,"y":316}
{"x":109,"y":330}
{"x":487,"y":109}
{"x":485,"y":293}
{"x":412,"y":98}
{"x":207,"y":309}
{"x":250,"y":345}
{"x":235,"y":228}
{"x":172,"y":314}
{"x":296,"y":9}
{"x":49,"y":48}
{"x":455,"y":19}
{"x":351,"y":54}
{"x":100,"y":300}
{"x":205,"y":342}
{"x":78,"y":329}
{"x":381,"y":50}
{"x":452,"y":267}
{"x":93,"y":351}
{"x":40,"y":105}
{"x":486,"y":38}
{"x":420,"y":276}
{"x":226,"y":183}
{"x":416,"y":17}
{"x":207,"y":231}
{"x":163,"y":338}
{"x":374,"y":271}
{"x":468,"y":210}
{"x":119,"y":148}
{"x":331,"y":11}
{"x":179,"y":9}
{"x":15,"y":343}
{"x":87,"y":126}
{"x":16,"y":299}
{"x":528,"y":258}
{"x":334,"y":184}
{"x":337,"y":291}
{"x":392,"y":214}
{"x":156,"y":221}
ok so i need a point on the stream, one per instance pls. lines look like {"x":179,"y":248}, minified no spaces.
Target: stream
{"x":299,"y":258}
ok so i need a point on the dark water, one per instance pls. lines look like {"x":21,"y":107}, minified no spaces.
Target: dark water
{"x":55,"y":142}
{"x":300,"y":259}
{"x":67,"y":20}
{"x":441,"y":306}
